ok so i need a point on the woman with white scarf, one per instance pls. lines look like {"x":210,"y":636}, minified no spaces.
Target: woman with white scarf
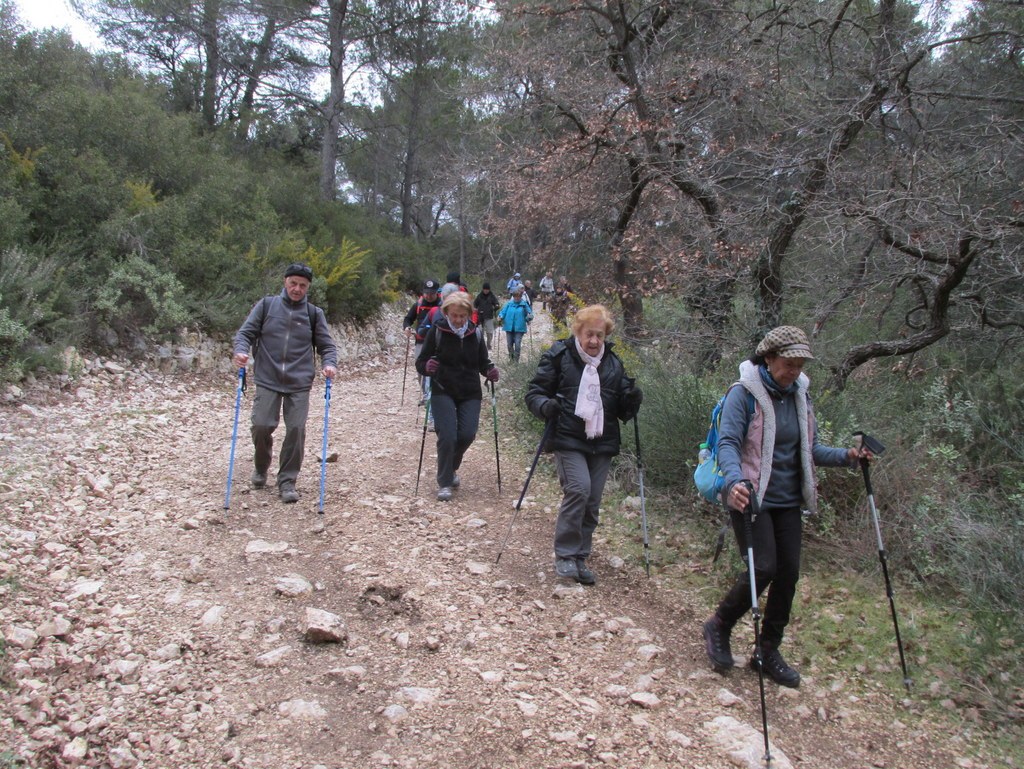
{"x":582,"y":388}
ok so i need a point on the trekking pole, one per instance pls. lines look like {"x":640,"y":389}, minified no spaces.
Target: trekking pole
{"x":750,"y":514}
{"x":643,"y":502}
{"x":323,"y":450}
{"x":529,"y":475}
{"x":876,"y":448}
{"x":405,"y":371}
{"x":234,"y":436}
{"x":423,"y":442}
{"x":494,"y":412}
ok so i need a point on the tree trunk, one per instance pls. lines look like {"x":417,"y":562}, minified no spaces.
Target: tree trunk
{"x":211,"y":73}
{"x":333,"y":108}
{"x":259,"y":65}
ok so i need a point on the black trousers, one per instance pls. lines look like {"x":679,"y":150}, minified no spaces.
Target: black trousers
{"x":777,"y":539}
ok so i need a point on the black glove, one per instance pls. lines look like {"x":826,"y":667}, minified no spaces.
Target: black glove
{"x":549,"y":409}
{"x":632,"y":398}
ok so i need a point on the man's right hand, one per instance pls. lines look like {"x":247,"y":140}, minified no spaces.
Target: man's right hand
{"x":240,"y":359}
{"x":408,"y":331}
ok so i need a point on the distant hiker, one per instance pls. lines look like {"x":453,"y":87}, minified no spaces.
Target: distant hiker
{"x":561,"y":303}
{"x":284,"y":332}
{"x":487,"y":305}
{"x":564,"y":283}
{"x":452,"y":284}
{"x":454,"y":356}
{"x":515,"y":318}
{"x":415,"y":317}
{"x":582,"y":386}
{"x":529,"y":292}
{"x":769,"y":437}
{"x":547,"y":288}
{"x":513,"y":283}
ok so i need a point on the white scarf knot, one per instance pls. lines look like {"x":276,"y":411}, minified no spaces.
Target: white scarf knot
{"x":589,"y":406}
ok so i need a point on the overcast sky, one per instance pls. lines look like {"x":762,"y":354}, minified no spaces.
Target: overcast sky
{"x":42,"y":14}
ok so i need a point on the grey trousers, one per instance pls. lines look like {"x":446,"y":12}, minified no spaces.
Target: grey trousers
{"x":455,"y":423}
{"x":266,"y":413}
{"x":582,"y":477}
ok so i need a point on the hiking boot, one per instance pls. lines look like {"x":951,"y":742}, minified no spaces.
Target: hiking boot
{"x":584,"y":575}
{"x":430,"y":426}
{"x":289,"y":495}
{"x":444,"y":494}
{"x":776,"y":668}
{"x":566,"y":567}
{"x":258,"y":479}
{"x":456,"y":481}
{"x":716,"y":644}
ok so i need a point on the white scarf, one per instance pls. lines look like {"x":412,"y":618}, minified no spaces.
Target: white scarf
{"x":460,"y":331}
{"x":589,"y":406}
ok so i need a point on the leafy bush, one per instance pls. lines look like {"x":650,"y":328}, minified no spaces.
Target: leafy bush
{"x":138,"y":294}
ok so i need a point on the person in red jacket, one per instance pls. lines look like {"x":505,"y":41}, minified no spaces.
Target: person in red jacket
{"x":415,"y":318}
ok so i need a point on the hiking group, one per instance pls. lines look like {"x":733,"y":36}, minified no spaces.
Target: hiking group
{"x":767,"y":444}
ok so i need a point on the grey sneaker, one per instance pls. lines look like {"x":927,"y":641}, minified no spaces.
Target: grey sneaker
{"x":456,"y":481}
{"x":584,"y":575}
{"x":566,"y":568}
{"x":258,"y":479}
{"x":444,"y":494}
{"x":289,"y":495}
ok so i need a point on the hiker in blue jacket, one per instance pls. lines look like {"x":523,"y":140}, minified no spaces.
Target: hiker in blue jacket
{"x":769,"y":438}
{"x":286,"y":331}
{"x":515,"y":318}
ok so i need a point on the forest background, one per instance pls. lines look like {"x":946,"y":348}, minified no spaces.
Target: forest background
{"x":709,"y":169}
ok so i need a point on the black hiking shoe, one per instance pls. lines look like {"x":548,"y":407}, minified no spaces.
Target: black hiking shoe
{"x":776,"y":668}
{"x":584,"y":575}
{"x":258,"y":479}
{"x":716,"y":644}
{"x":289,"y":495}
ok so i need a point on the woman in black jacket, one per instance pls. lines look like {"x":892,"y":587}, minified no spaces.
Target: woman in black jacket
{"x":582,"y":388}
{"x":454,"y":356}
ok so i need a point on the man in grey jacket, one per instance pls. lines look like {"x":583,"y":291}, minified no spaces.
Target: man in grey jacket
{"x":284,"y":332}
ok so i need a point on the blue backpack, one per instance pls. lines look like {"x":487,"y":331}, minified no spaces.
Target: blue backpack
{"x":708,"y":476}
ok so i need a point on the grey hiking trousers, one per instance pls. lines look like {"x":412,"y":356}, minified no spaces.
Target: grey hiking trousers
{"x":266,"y":413}
{"x":582,"y":477}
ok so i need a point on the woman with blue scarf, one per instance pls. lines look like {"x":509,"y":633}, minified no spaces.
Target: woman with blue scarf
{"x":769,"y":439}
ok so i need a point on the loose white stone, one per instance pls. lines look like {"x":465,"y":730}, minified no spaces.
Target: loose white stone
{"x":293,"y":585}
{"x":273,"y":657}
{"x":324,"y":627}
{"x":261,"y":546}
{"x":213,"y":616}
{"x":301,"y":709}
{"x":645,"y":699}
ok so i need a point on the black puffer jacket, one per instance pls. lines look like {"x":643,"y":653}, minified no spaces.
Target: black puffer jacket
{"x":558,"y":374}
{"x":462,"y":360}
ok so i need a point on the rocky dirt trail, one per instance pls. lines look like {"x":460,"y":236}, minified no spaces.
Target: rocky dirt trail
{"x":145,"y":626}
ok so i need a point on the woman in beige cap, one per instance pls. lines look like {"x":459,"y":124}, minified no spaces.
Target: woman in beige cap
{"x":768,"y":438}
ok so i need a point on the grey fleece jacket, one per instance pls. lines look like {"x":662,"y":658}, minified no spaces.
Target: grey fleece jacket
{"x":776,"y":447}
{"x":284,"y":359}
